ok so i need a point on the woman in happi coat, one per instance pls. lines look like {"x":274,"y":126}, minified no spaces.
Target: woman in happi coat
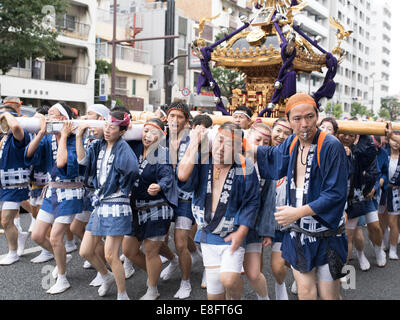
{"x":154,"y":195}
{"x":112,"y":165}
{"x":63,"y":197}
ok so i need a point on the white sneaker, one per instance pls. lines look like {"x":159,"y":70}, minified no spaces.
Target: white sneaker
{"x":9,"y":259}
{"x":293,"y":288}
{"x":87,"y":265}
{"x":380,"y":257}
{"x":70,"y":246}
{"x":44,"y":256}
{"x":98,"y":281}
{"x":393,"y":255}
{"x":22,"y":237}
{"x":32,"y":225}
{"x":204,"y":280}
{"x":55,"y":270}
{"x":61,"y":285}
{"x":280,"y":291}
{"x":163,"y":259}
{"x":123,"y":296}
{"x":184,"y":290}
{"x":128,"y":268}
{"x":363,"y":261}
{"x":122,"y":257}
{"x":170,"y":270}
{"x":108,"y":283}
{"x":151,"y":295}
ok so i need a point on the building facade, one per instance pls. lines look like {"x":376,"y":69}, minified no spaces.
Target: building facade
{"x":133,"y":67}
{"x":69,"y":78}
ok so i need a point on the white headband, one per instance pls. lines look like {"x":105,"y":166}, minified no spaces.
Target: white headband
{"x":162,"y":112}
{"x":61,"y":109}
{"x":100,"y":109}
{"x":242,"y":112}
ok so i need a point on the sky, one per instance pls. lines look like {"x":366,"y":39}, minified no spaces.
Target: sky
{"x":395,"y":50}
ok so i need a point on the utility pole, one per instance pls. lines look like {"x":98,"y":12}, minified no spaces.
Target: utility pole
{"x":114,"y":43}
{"x":169,"y":48}
{"x":114,"y":51}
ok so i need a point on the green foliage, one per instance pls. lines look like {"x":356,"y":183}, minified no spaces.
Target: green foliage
{"x":334,"y":109}
{"x":226,"y":79}
{"x":390,"y":107}
{"x":357,"y":109}
{"x":104,"y":67}
{"x":22,"y":32}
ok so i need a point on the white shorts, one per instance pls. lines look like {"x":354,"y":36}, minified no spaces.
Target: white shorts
{"x":254,"y":247}
{"x":276,"y":247}
{"x":8,"y":205}
{"x":369,"y":217}
{"x":220,"y":255}
{"x":49,"y":218}
{"x":156,"y":238}
{"x":394,"y":213}
{"x":183,"y":223}
{"x":36,"y":202}
{"x":83,"y":217}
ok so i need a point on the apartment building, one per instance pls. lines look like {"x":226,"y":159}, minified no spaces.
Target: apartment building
{"x":69,"y":78}
{"x":381,"y":30}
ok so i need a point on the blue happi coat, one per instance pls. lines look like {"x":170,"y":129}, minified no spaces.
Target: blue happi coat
{"x":122,"y":172}
{"x":265,"y":223}
{"x":159,"y":171}
{"x":153,"y":214}
{"x":326,"y":196}
{"x":112,"y":213}
{"x":59,"y":202}
{"x":242,"y":205}
{"x":382,"y":160}
{"x":13,"y":170}
{"x":184,"y":198}
{"x":392,"y":196}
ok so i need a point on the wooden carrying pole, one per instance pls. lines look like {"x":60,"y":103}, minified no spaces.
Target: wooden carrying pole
{"x":345,"y":126}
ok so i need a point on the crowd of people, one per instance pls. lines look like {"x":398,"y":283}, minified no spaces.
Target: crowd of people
{"x":225,"y":191}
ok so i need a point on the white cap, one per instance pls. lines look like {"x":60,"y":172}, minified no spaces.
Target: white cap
{"x":100,"y":109}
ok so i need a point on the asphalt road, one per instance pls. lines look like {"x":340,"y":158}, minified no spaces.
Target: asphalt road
{"x":24,"y":280}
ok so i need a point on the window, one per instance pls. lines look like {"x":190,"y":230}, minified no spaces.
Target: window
{"x":120,"y":85}
{"x":134,"y":87}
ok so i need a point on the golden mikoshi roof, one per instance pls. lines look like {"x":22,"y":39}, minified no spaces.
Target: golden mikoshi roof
{"x":240,"y":52}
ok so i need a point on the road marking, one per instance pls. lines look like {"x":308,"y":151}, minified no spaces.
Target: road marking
{"x":26,"y":251}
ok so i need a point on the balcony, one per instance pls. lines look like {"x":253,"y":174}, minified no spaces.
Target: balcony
{"x":64,"y":72}
{"x":104,"y":51}
{"x":70,"y":27}
{"x":53,"y":71}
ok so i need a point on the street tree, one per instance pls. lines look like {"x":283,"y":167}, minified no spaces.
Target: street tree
{"x":28,"y":30}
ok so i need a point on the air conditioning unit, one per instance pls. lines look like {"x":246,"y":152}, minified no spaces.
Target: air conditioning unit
{"x":153,"y":84}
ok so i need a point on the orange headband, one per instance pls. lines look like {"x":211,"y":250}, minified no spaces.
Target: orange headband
{"x":298,"y":99}
{"x":155,"y":126}
{"x":179,"y":109}
{"x":260,"y":131}
{"x":16,"y":102}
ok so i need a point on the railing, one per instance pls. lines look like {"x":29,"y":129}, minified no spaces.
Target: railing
{"x":104,"y":51}
{"x":74,"y":29}
{"x":65,"y":73}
